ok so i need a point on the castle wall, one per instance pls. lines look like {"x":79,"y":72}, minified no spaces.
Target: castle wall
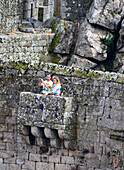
{"x":11,"y":14}
{"x":100,"y":106}
{"x":24,"y":47}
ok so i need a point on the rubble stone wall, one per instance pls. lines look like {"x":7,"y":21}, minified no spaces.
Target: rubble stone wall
{"x":24,"y":47}
{"x":11,"y":14}
{"x":100,"y":129}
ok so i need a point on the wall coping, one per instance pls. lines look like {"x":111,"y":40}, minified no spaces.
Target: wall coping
{"x":66,"y":70}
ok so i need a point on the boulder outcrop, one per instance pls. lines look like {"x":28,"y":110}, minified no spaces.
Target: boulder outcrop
{"x":94,"y":39}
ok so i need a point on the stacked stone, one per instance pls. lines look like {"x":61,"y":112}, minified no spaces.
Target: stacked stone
{"x":24,"y":47}
{"x":52,"y":118}
{"x":11,"y":13}
{"x":100,"y":108}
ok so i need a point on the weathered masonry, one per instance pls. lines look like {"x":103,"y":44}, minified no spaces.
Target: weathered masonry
{"x":82,"y":129}
{"x":12,"y":13}
{"x":52,"y":120}
{"x":24,"y":47}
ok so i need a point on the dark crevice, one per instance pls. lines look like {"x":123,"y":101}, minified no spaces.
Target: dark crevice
{"x":72,"y":48}
{"x":89,"y":58}
{"x":97,"y":26}
{"x":111,"y":48}
{"x":32,"y":139}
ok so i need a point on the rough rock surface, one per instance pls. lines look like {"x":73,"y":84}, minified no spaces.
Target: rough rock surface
{"x":88,"y":42}
{"x":77,"y":61}
{"x":63,"y":34}
{"x":26,"y":26}
{"x":103,"y":18}
{"x":106,"y":13}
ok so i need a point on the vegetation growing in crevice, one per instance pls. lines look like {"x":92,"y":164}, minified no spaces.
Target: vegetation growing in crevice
{"x":113,"y":13}
{"x":55,"y":41}
{"x":110,"y":48}
{"x":90,"y":5}
{"x":110,"y":43}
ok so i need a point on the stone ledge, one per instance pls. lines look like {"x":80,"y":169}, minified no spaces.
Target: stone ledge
{"x":48,"y":120}
{"x":66,"y":70}
{"x":47,"y":109}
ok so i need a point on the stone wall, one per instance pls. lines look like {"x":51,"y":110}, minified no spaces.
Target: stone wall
{"x":24,"y":47}
{"x":30,"y":9}
{"x":11,"y":14}
{"x":99,"y":116}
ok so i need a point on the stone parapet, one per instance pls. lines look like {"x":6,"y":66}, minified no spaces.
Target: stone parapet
{"x":67,"y":71}
{"x":52,"y":117}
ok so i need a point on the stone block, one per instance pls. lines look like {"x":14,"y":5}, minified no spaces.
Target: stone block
{"x":22,"y":156}
{"x":110,"y":124}
{"x":60,"y":166}
{"x":32,"y":148}
{"x":2,"y":146}
{"x":67,"y":160}
{"x":69,"y":133}
{"x":76,"y":153}
{"x":83,"y":168}
{"x":14,"y":167}
{"x":93,"y":163}
{"x":57,"y":143}
{"x":8,"y":137}
{"x":7,"y":154}
{"x":70,"y":144}
{"x":66,"y":167}
{"x":79,"y":161}
{"x":20,"y":139}
{"x":34,"y":157}
{"x":51,"y":133}
{"x":4,"y":166}
{"x":54,"y":159}
{"x":63,"y":152}
{"x":38,"y":132}
{"x":10,"y":128}
{"x":1,"y":160}
{"x":45,"y":166}
{"x":29,"y":165}
{"x":20,"y":161}
{"x":11,"y":120}
{"x":81,"y":62}
{"x":85,"y":147}
{"x":43,"y":43}
{"x":10,"y":160}
{"x":88,"y":135}
{"x":44,"y":158}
